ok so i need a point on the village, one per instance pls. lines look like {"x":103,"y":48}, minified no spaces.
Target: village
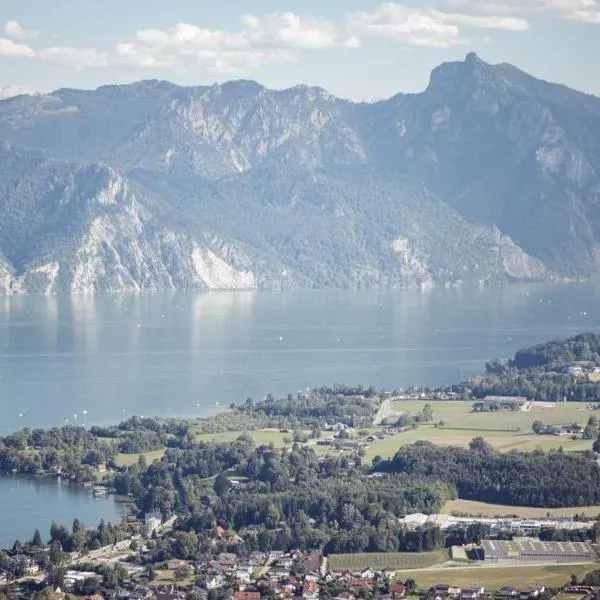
{"x":295,"y":574}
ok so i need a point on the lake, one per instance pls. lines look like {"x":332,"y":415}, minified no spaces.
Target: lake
{"x":29,"y":504}
{"x":102,"y":359}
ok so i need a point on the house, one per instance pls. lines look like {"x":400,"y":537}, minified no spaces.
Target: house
{"x":258,"y":556}
{"x":216,"y":566}
{"x":310,"y":591}
{"x":153,"y":521}
{"x":397,"y":590}
{"x":500,"y":403}
{"x":286,"y":590}
{"x":359,"y":584}
{"x":73,"y":577}
{"x":477,"y":589}
{"x":533,"y":591}
{"x":368,"y":574}
{"x":228,"y":564}
{"x":442,"y":589}
{"x":312,"y":562}
{"x":219,"y":531}
{"x":286,"y":562}
{"x":246,"y":596}
{"x":176,"y":563}
{"x":214,"y":582}
{"x":243,"y":574}
{"x":101,"y":468}
{"x":508,"y":591}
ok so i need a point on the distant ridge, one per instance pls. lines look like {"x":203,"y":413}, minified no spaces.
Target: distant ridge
{"x":488,"y":175}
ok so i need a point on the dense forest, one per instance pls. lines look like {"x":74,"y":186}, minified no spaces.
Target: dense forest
{"x":546,"y":479}
{"x":286,"y":498}
{"x":557,"y":354}
{"x":542,"y":372}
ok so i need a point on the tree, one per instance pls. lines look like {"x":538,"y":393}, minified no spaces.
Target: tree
{"x":590,"y":432}
{"x":181,"y":573}
{"x":537,"y":427}
{"x":79,"y":535}
{"x":37,"y":542}
{"x":222,"y":484}
{"x":427,"y":413}
{"x":596,"y":446}
{"x":478,"y":444}
{"x":410,"y":585}
{"x":56,"y":554}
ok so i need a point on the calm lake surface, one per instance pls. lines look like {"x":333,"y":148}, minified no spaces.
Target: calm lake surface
{"x":101,"y":359}
{"x":29,"y":504}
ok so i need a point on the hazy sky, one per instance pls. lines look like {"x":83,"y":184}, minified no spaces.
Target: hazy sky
{"x":354,"y":48}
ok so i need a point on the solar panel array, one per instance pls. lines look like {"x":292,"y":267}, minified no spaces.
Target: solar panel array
{"x":531,"y":549}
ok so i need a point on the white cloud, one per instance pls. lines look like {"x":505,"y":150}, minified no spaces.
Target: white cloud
{"x":13,"y":30}
{"x":585,"y":16}
{"x":398,"y":23}
{"x":483,"y":21}
{"x":267,"y":39}
{"x":578,"y":10}
{"x":280,"y":37}
{"x":288,"y":30}
{"x":11,"y":49}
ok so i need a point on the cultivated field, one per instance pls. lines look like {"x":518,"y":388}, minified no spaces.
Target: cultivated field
{"x":387,"y":560}
{"x":492,"y":510}
{"x":504,"y":430}
{"x":494,"y":578}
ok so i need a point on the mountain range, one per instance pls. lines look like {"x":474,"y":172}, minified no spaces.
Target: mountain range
{"x":487,"y":175}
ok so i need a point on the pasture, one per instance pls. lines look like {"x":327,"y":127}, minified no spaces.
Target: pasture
{"x":261,"y":437}
{"x":504,"y":430}
{"x":127,"y":460}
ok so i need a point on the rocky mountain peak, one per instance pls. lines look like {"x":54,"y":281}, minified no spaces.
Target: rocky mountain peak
{"x":488,"y":174}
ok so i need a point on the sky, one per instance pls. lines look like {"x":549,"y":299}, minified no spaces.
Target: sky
{"x":360,"y":49}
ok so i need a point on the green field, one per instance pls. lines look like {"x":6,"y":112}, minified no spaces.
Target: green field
{"x":494,"y":578}
{"x":126,"y":460}
{"x":387,"y":560}
{"x":504,"y":430}
{"x":260,"y":437}
{"x":492,"y":510}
